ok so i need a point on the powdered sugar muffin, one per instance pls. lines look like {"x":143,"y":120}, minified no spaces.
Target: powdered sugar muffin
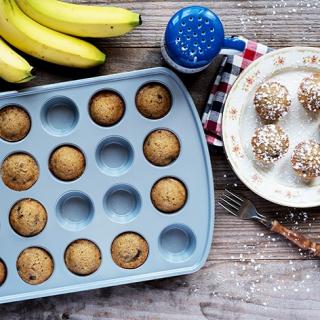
{"x":272,"y":101}
{"x":305,"y":159}
{"x":309,"y":93}
{"x":269,"y":143}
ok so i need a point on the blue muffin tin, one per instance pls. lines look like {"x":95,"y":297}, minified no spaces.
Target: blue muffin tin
{"x":113,"y":194}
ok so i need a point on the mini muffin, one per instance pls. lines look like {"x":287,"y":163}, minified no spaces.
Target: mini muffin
{"x":153,"y":101}
{"x":82,"y":257}
{"x":28,"y":217}
{"x":35,"y":265}
{"x":15,"y":123}
{"x":272,"y":101}
{"x":19,"y":172}
{"x":67,"y":163}
{"x":269,"y":143}
{"x":309,"y":93}
{"x":169,"y":195}
{"x":106,"y":108}
{"x":129,"y":250}
{"x":305,"y":159}
{"x":161,"y":147}
{"x":3,"y":272}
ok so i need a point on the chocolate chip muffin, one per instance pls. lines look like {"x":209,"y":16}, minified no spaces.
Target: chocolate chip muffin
{"x":161,"y":147}
{"x":154,"y":101}
{"x":305,"y":159}
{"x":82,"y":257}
{"x":35,"y":265}
{"x":272,"y":101}
{"x":169,"y":195}
{"x":309,"y":93}
{"x":3,"y":272}
{"x":28,"y":217}
{"x":129,"y":250}
{"x":67,"y":163}
{"x":15,"y":123}
{"x":106,"y":108}
{"x":269,"y":143}
{"x":19,"y":172}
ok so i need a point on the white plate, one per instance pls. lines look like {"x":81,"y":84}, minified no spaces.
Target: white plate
{"x":277,"y":183}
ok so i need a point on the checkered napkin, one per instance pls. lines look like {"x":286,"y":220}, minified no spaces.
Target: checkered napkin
{"x":230,"y":68}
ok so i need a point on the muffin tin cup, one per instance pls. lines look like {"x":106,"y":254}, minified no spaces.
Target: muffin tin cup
{"x":113,"y":194}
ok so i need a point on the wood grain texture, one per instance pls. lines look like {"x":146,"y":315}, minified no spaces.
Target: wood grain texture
{"x":251,"y":273}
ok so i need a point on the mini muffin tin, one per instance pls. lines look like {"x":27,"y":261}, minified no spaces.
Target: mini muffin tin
{"x":113,"y":194}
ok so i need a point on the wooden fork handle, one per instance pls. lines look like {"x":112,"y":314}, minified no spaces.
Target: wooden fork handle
{"x":298,"y":239}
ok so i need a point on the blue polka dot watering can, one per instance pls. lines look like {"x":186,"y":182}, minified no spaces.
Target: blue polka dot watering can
{"x":194,"y":37}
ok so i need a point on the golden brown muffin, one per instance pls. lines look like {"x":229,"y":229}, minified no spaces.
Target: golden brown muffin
{"x":19,"y":172}
{"x":3,"y":272}
{"x":272,"y":101}
{"x":153,"y":101}
{"x":67,"y":163}
{"x":169,"y":195}
{"x":309,"y":93}
{"x":35,"y":265}
{"x":106,"y":108}
{"x":305,"y":159}
{"x":129,"y":250}
{"x":82,"y":257}
{"x":28,"y":217}
{"x":15,"y":123}
{"x":161,"y":147}
{"x":269,"y":143}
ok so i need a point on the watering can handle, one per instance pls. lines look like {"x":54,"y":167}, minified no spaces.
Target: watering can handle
{"x":233,"y":45}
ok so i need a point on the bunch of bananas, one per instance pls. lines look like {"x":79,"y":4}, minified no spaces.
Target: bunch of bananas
{"x":45,"y":29}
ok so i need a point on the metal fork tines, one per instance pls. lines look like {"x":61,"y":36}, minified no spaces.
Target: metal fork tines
{"x":241,"y":207}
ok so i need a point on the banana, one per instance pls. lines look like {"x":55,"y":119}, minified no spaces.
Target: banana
{"x":81,"y":20}
{"x":13,"y":68}
{"x":43,"y":43}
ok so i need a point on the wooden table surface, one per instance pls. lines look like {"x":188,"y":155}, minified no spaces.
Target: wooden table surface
{"x":250,"y":273}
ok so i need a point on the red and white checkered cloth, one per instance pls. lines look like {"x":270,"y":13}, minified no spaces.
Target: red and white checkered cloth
{"x":230,"y":68}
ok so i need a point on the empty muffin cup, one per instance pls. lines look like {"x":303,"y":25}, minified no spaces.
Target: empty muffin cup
{"x":122,"y":203}
{"x":59,"y":116}
{"x":75,"y":211}
{"x":114,"y":156}
{"x":177,"y":243}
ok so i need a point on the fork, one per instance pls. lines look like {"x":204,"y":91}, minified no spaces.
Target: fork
{"x":245,"y":209}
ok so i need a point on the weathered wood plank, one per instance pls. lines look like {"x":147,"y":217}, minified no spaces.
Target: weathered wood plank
{"x":224,"y":290}
{"x":276,"y":23}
